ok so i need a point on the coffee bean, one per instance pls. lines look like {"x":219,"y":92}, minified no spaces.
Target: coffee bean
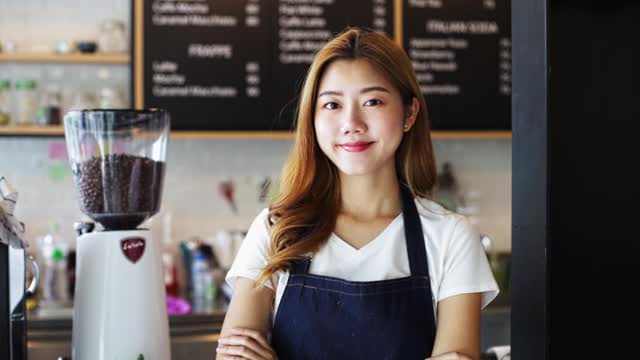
{"x":119,"y":191}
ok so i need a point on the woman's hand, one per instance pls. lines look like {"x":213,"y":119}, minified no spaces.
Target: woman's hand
{"x":245,"y":343}
{"x":451,"y":356}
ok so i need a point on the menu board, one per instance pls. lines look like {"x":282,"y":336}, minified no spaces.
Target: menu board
{"x":240,"y":65}
{"x":304,"y":26}
{"x":461,"y":52}
{"x":207,"y":62}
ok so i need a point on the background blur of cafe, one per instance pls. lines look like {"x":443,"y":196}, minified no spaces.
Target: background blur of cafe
{"x":58,"y":55}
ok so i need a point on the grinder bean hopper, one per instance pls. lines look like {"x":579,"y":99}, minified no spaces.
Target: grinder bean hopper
{"x":117,"y":159}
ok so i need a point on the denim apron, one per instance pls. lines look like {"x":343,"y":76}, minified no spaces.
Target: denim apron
{"x":323,"y":317}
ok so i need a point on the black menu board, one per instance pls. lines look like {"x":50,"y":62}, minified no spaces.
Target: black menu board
{"x":461,"y":52}
{"x":207,"y":62}
{"x":304,"y":26}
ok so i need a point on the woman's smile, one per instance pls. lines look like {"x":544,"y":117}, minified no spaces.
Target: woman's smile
{"x":357,"y":146}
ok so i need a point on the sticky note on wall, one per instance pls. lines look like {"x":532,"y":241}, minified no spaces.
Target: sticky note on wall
{"x":58,"y":151}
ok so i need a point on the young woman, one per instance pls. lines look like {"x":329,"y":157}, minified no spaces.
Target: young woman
{"x":353,"y":261}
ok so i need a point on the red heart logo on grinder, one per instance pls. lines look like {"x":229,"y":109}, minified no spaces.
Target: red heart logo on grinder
{"x":133,"y":248}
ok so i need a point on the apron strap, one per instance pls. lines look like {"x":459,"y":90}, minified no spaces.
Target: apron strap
{"x":416,"y":250}
{"x":301,"y":266}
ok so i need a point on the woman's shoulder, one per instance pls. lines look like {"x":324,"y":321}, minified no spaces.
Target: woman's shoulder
{"x":262,"y":215}
{"x":260,"y":224}
{"x":447,"y":230}
{"x":433,"y":211}
{"x":434,"y":215}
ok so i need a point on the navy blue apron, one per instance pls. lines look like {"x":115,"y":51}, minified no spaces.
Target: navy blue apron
{"x":323,"y":317}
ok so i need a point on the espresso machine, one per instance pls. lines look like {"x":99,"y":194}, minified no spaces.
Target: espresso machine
{"x":13,"y":275}
{"x":117,"y":158}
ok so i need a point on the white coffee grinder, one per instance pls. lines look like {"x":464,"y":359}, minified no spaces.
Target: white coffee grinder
{"x":118,"y":162}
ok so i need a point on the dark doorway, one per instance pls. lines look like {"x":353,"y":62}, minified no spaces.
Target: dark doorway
{"x":576,"y":90}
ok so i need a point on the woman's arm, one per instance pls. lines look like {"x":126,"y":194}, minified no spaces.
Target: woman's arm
{"x":458,"y":331}
{"x":250,"y":308}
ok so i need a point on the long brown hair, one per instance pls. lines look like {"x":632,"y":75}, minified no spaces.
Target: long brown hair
{"x":304,"y":213}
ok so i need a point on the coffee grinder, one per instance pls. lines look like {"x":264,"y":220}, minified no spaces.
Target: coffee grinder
{"x":117,"y":159}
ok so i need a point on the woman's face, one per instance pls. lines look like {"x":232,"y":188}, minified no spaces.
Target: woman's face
{"x":359,"y":117}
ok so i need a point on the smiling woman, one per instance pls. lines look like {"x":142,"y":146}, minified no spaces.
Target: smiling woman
{"x":353,"y":260}
{"x":366,"y":114}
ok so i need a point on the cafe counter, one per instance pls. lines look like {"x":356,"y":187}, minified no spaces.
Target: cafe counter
{"x":194,"y":336}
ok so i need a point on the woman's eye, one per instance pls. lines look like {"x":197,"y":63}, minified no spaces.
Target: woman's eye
{"x":372,"y":102}
{"x":330,"y":106}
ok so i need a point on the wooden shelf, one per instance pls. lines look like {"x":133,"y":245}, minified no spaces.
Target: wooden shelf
{"x":231,"y":135}
{"x":247,"y":135}
{"x":436,"y":135}
{"x":31,"y":130}
{"x":59,"y":131}
{"x":471,"y":135}
{"x":66,"y":58}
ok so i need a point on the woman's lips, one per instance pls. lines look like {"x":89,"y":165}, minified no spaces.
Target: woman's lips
{"x":356,"y":146}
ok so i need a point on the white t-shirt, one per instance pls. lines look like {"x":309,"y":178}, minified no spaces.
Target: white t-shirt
{"x":457,"y":261}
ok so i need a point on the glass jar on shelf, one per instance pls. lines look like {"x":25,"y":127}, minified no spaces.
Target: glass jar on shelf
{"x":84,"y":100}
{"x":113,"y":37}
{"x":26,"y":102}
{"x":50,"y":112}
{"x":5,"y":101}
{"x":110,"y":98}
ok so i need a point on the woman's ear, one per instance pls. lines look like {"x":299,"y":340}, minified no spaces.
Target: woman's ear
{"x":411,"y":114}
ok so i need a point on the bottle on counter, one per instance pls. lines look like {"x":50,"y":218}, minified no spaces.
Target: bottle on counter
{"x":170,"y":268}
{"x":188,"y":249}
{"x":71,"y":274}
{"x":26,"y":102}
{"x":210,"y":291}
{"x":169,"y":261}
{"x":199,"y":271}
{"x":55,"y":287}
{"x":5,"y":102}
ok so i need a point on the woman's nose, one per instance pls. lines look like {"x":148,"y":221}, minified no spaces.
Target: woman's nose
{"x":353,"y":121}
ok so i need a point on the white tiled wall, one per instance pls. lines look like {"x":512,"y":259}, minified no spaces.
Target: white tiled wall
{"x":195,"y":169}
{"x":35,"y":25}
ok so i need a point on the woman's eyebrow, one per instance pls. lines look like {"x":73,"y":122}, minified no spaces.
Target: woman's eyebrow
{"x":330,"y":92}
{"x":364,"y":90}
{"x":373,"y":88}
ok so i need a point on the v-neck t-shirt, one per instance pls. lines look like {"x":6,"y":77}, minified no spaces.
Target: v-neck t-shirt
{"x":457,"y":261}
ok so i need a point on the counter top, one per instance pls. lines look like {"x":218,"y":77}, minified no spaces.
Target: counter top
{"x":45,"y":328}
{"x":195,"y":336}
